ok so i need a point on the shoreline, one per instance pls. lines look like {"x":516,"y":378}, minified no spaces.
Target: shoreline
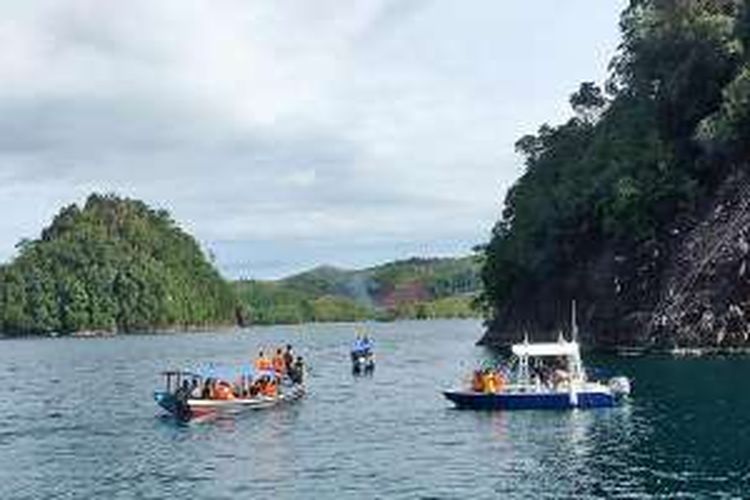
{"x":197,"y":330}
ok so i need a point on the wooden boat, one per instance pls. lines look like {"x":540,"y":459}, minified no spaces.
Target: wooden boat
{"x":179,"y":399}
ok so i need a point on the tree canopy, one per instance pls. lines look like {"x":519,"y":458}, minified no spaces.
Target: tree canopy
{"x":672,"y":119}
{"x":112,"y":265}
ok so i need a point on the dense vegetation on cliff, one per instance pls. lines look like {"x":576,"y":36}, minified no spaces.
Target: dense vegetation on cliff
{"x":651,"y":148}
{"x":408,"y":289}
{"x":112,"y":265}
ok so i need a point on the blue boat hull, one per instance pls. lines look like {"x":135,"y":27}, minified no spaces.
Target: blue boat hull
{"x":529,"y":401}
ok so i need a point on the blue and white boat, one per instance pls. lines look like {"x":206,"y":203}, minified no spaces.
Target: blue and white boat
{"x":363,"y":357}
{"x":570,"y":389}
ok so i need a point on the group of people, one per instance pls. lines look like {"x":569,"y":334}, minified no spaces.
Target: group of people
{"x":362,"y":345}
{"x":245,"y":388}
{"x":551,"y":374}
{"x":488,"y":381}
{"x":282,"y":364}
{"x":269,"y":374}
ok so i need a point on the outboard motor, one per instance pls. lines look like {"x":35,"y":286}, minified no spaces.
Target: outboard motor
{"x":620,"y":386}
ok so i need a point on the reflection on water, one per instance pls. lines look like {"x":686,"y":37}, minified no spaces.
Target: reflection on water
{"x":77,"y":420}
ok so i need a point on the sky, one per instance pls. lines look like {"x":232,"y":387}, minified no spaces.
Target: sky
{"x":288,"y":134}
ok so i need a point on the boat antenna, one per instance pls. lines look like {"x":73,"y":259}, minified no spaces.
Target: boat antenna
{"x":573,"y":321}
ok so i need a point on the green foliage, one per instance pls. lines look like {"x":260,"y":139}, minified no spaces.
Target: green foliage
{"x":677,"y":99}
{"x":113,"y":265}
{"x":329,"y":294}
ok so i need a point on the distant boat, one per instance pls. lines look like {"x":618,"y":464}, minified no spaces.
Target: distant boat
{"x":363,"y":357}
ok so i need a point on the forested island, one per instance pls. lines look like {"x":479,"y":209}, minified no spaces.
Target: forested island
{"x":115,"y":265}
{"x":639,"y":206}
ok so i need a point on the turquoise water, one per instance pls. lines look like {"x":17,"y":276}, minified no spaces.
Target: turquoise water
{"x":77,"y":421}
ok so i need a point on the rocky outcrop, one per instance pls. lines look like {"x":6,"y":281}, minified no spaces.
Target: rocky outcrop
{"x":687,"y":288}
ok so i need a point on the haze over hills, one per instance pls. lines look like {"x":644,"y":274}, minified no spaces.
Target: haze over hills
{"x":413,"y":288}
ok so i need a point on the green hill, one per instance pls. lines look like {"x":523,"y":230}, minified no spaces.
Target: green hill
{"x":414,"y":288}
{"x":636,"y":207}
{"x":116,"y":265}
{"x":113,"y":265}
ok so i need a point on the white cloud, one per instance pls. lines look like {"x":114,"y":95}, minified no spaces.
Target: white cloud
{"x":329,"y":122}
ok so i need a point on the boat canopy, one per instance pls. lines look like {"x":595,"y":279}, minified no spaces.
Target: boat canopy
{"x":561,"y":348}
{"x":225,"y":372}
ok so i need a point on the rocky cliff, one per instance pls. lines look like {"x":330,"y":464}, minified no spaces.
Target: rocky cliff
{"x":637,"y":207}
{"x":690,"y":287}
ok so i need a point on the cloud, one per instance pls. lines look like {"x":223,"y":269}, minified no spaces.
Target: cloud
{"x":354,"y":127}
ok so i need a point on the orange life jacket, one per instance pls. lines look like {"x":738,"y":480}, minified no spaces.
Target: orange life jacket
{"x":270,"y":389}
{"x":489,"y":383}
{"x":263,"y":364}
{"x":279,"y":365}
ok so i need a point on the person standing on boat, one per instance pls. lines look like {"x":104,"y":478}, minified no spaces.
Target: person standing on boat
{"x":367,"y":345}
{"x":288,"y":358}
{"x":278,"y":363}
{"x":297,"y":372}
{"x":262,"y":364}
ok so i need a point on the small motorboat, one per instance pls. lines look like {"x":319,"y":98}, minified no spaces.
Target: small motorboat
{"x":363,"y":357}
{"x":534,"y":384}
{"x":187,"y":395}
{"x":569,"y":388}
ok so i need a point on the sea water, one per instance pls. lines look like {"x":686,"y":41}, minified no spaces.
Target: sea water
{"x":77,"y":420}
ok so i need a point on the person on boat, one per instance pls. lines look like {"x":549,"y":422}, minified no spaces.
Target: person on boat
{"x":195,"y":389}
{"x":367,"y":345}
{"x":263,"y":363}
{"x":207,"y":392}
{"x":254,"y":389}
{"x":357,"y":345}
{"x":278,"y":363}
{"x":490,"y":385}
{"x":499,"y":380}
{"x":288,"y":358}
{"x":223,"y":391}
{"x":560,"y":377}
{"x":477,"y":381}
{"x":268,"y":387}
{"x":183,"y":392}
{"x":297,"y":373}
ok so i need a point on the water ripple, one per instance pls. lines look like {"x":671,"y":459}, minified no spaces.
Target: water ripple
{"x":77,"y":421}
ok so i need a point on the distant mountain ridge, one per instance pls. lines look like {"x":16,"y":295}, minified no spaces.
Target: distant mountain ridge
{"x":412,"y":288}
